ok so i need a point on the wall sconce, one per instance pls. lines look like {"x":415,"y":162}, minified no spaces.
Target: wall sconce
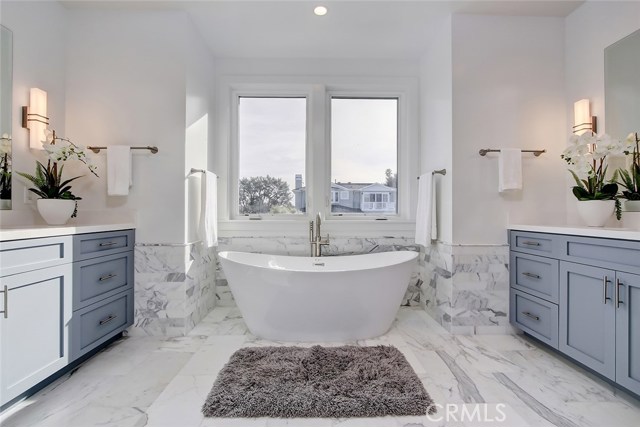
{"x":34,"y":117}
{"x":583,"y":121}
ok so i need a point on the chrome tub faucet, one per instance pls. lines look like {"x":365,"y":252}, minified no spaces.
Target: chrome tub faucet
{"x":315,"y":237}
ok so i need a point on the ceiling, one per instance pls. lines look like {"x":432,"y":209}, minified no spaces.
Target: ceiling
{"x":373,"y":29}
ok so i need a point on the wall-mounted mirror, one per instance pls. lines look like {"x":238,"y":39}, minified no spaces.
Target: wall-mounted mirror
{"x":6,"y":92}
{"x":622,"y":86}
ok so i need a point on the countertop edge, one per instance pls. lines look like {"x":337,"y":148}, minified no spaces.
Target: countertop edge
{"x":35,"y":232}
{"x":575,"y":230}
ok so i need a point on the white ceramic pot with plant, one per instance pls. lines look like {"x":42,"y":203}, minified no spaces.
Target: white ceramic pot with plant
{"x":57,"y":204}
{"x":596,"y":196}
{"x":56,"y":211}
{"x":595,"y":213}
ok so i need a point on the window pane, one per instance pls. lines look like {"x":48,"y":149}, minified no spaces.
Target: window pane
{"x":271,"y":139}
{"x":364,"y":154}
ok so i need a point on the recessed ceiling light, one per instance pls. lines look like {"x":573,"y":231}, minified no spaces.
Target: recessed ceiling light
{"x":320,"y":10}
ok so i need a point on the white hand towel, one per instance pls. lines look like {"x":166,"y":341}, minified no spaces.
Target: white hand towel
{"x":119,"y":168}
{"x":426,"y":224}
{"x":510,"y":169}
{"x":209,"y":209}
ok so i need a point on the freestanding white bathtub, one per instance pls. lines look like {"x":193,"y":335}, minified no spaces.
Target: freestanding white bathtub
{"x":336,"y":298}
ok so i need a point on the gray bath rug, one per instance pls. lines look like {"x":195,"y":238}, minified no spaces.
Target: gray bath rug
{"x":317,"y":382}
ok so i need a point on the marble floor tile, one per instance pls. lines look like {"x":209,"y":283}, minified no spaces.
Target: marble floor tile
{"x":508,"y":380}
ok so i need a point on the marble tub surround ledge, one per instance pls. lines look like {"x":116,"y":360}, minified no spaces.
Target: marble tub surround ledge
{"x":466,"y":287}
{"x":174,"y":287}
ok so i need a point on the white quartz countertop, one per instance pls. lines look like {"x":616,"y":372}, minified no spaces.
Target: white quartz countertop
{"x":576,"y":230}
{"x":36,"y":231}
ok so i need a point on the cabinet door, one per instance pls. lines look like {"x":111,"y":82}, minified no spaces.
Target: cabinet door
{"x":587,"y":316}
{"x":628,"y":331}
{"x":34,"y":334}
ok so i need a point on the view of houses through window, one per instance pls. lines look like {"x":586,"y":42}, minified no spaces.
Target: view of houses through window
{"x":364,"y":145}
{"x":271,"y":144}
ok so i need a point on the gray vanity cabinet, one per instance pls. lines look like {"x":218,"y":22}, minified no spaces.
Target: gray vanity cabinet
{"x":627,"y":300}
{"x":580,"y":295}
{"x":587,"y":316}
{"x":102,"y":288}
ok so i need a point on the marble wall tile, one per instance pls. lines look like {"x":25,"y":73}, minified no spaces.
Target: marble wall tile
{"x":467,"y":288}
{"x":174,"y":288}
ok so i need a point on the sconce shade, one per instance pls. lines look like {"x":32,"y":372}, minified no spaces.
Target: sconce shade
{"x":583,"y":121}
{"x":34,"y":117}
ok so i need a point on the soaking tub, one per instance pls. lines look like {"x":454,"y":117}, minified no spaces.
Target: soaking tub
{"x":337,"y":298}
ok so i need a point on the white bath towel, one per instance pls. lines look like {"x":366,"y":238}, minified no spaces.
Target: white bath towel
{"x":510,"y":169}
{"x":209,"y":209}
{"x":119,"y":170}
{"x":426,"y":221}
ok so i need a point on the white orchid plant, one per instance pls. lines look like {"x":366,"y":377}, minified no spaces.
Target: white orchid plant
{"x":587,"y":154}
{"x":630,"y":179}
{"x":47,"y":181}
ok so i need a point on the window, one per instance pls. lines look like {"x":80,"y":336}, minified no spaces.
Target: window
{"x":343,"y":147}
{"x":271,"y":155}
{"x":364,"y":152}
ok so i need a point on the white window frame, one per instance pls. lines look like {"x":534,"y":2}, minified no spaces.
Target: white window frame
{"x":234,"y":148}
{"x":318,"y":91}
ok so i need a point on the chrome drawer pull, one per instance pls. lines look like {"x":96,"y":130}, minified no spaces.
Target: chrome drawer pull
{"x":108,"y":319}
{"x":605,"y":280}
{"x":618,"y":302}
{"x":5,"y":297}
{"x":533,"y":276}
{"x":107,"y":277}
{"x":528,"y":243}
{"x":533,"y":316}
{"x":107,"y":244}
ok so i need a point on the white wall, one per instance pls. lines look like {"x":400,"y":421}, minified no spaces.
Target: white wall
{"x":588,"y":31}
{"x":436,"y":121}
{"x":38,"y":61}
{"x":508,"y":91}
{"x":126,"y":80}
{"x":198,"y":125}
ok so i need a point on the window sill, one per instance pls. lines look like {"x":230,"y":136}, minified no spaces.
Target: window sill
{"x":300,"y":228}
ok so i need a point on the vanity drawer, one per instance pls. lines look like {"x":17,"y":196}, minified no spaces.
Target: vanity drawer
{"x":622,"y":255}
{"x":91,"y":245}
{"x":18,"y":256}
{"x":535,"y":316}
{"x":95,"y":324}
{"x":97,"y":278}
{"x":535,"y":243}
{"x":536,"y":275}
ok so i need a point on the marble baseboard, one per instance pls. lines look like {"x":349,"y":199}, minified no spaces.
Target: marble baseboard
{"x":174,"y":288}
{"x":467,"y":287}
{"x":299,"y":246}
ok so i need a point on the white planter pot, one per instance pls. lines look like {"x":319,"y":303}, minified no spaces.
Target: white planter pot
{"x":55,"y":211}
{"x":595,"y":213}
{"x":631,"y":206}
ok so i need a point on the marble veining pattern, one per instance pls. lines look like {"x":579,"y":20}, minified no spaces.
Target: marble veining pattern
{"x":174,"y":288}
{"x":468,"y":287}
{"x":144,"y":381}
{"x":299,"y":246}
